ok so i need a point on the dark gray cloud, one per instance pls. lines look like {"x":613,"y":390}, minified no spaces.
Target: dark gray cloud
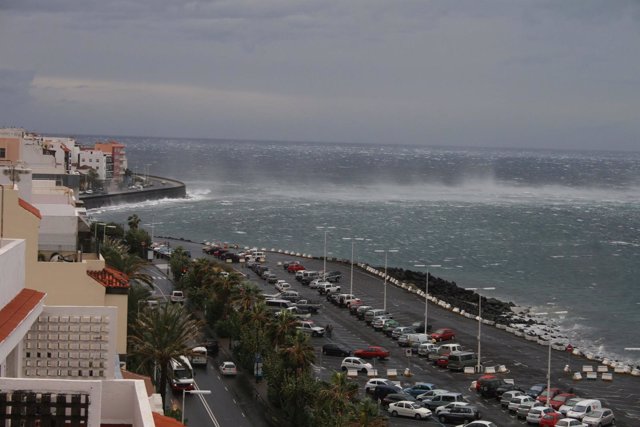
{"x":410,"y":71}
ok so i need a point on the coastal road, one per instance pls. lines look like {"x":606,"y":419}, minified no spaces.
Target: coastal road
{"x":525,"y":360}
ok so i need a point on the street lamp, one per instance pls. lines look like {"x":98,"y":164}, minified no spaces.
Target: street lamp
{"x":324,"y":258}
{"x":200,"y":392}
{"x":426,"y":292}
{"x":549,"y":358}
{"x":353,"y":241}
{"x":386,"y":252}
{"x":479,"y":367}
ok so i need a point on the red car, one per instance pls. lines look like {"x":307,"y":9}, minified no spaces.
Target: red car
{"x":551,"y":419}
{"x":553,"y":392}
{"x":443,"y":361}
{"x":371,"y":352}
{"x":295,"y":267}
{"x":483,"y":379}
{"x":558,"y":400}
{"x":443,"y":334}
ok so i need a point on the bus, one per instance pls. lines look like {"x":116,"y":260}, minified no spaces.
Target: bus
{"x":199,"y":356}
{"x":181,"y":374}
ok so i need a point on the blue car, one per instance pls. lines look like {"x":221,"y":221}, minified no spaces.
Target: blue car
{"x":419,"y":388}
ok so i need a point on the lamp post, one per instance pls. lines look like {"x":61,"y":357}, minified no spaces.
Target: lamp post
{"x":324,"y":258}
{"x":426,"y":292}
{"x":386,"y":252}
{"x":548,"y":402}
{"x":479,"y":367}
{"x":200,"y":392}
{"x":353,"y":242}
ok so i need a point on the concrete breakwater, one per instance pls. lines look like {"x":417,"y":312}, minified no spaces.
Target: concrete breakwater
{"x":161,"y":188}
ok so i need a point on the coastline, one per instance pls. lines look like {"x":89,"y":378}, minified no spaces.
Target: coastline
{"x":160,"y":188}
{"x":517,"y":320}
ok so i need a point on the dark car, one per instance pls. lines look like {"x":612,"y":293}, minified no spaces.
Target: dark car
{"x":397,"y":397}
{"x":507,"y":387}
{"x":489,"y":387}
{"x":212,"y":347}
{"x":333,"y":349}
{"x":419,"y":327}
{"x":459,"y":414}
{"x":381,"y":391}
{"x":536,"y":389}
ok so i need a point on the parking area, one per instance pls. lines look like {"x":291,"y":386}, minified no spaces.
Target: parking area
{"x":526,"y":362}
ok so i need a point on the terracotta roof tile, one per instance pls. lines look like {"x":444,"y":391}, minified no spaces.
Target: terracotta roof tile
{"x":110,"y":278}
{"x":14,"y":313}
{"x":164,"y":421}
{"x":29,"y":207}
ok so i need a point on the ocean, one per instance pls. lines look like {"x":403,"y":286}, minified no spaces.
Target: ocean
{"x":551,"y":230}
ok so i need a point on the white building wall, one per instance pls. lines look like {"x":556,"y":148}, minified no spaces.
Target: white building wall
{"x":32,"y":155}
{"x":95,"y":159}
{"x":71,"y":342}
{"x":12,"y":268}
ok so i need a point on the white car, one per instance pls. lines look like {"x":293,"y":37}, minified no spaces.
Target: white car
{"x":228,"y":368}
{"x":519,"y":400}
{"x":283,"y":286}
{"x":600,"y":417}
{"x":569,"y":422}
{"x":536,"y":413}
{"x":406,"y":408}
{"x":355,"y":363}
{"x":177,"y":296}
{"x":373,"y":382}
{"x":315,"y":283}
{"x":479,"y":423}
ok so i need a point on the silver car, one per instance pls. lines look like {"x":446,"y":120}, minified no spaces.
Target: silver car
{"x":600,"y":417}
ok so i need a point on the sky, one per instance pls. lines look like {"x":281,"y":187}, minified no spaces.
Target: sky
{"x":513,"y":73}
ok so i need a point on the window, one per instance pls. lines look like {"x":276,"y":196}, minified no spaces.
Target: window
{"x":3,"y":153}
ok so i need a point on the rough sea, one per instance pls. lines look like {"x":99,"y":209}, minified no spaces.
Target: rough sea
{"x":552,"y":230}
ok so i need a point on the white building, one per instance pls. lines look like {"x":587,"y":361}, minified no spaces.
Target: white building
{"x":96,"y":160}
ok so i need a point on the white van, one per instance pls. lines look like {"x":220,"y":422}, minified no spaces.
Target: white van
{"x":414,"y":340}
{"x":458,"y":360}
{"x":583,"y":408}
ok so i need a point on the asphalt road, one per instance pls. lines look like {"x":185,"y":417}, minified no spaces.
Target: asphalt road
{"x":525,"y":360}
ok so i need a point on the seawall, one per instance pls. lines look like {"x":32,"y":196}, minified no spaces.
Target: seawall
{"x":162,"y":188}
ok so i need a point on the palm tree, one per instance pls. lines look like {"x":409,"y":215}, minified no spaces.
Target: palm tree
{"x":244,"y":297}
{"x":299,"y":354}
{"x":133,"y":221}
{"x":336,"y":399}
{"x":282,"y":327}
{"x":161,"y":335}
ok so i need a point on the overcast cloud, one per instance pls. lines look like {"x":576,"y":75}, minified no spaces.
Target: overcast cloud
{"x":562,"y":74}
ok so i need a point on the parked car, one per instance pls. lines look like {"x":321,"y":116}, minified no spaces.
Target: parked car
{"x":408,"y":409}
{"x":360,"y":312}
{"x":177,"y":296}
{"x":292,"y":268}
{"x":442,"y":361}
{"x":374,"y":382}
{"x":283,"y":286}
{"x":599,"y":417}
{"x":427,"y":347}
{"x":479,"y":423}
{"x":560,"y":399}
{"x":443,"y":334}
{"x":431,"y":393}
{"x":418,"y":327}
{"x":517,"y":401}
{"x":550,"y":419}
{"x":459,"y":414}
{"x":419,"y":388}
{"x":379,"y":322}
{"x":569,"y":404}
{"x":400,"y":330}
{"x":228,"y":368}
{"x":354,"y":306}
{"x":333,"y":276}
{"x":449,"y":406}
{"x":507,"y":396}
{"x":535,"y":390}
{"x":389,"y":326}
{"x":371,"y":352}
{"x":397,"y":397}
{"x":332,"y":349}
{"x":569,"y":422}
{"x":552,"y":392}
{"x":442,"y":399}
{"x":310,"y":328}
{"x":315,"y":283}
{"x":523,"y":409}
{"x":583,"y":407}
{"x":383,"y":390}
{"x":536,"y":413}
{"x":355,"y":363}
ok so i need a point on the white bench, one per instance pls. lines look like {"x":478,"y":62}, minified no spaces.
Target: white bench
{"x":607,"y":376}
{"x":577,"y":376}
{"x":392,"y":373}
{"x":587,"y":368}
{"x":371,"y":373}
{"x":352,"y":373}
{"x":469,"y":370}
{"x":602,"y":368}
{"x":490,"y":370}
{"x":592,"y":375}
